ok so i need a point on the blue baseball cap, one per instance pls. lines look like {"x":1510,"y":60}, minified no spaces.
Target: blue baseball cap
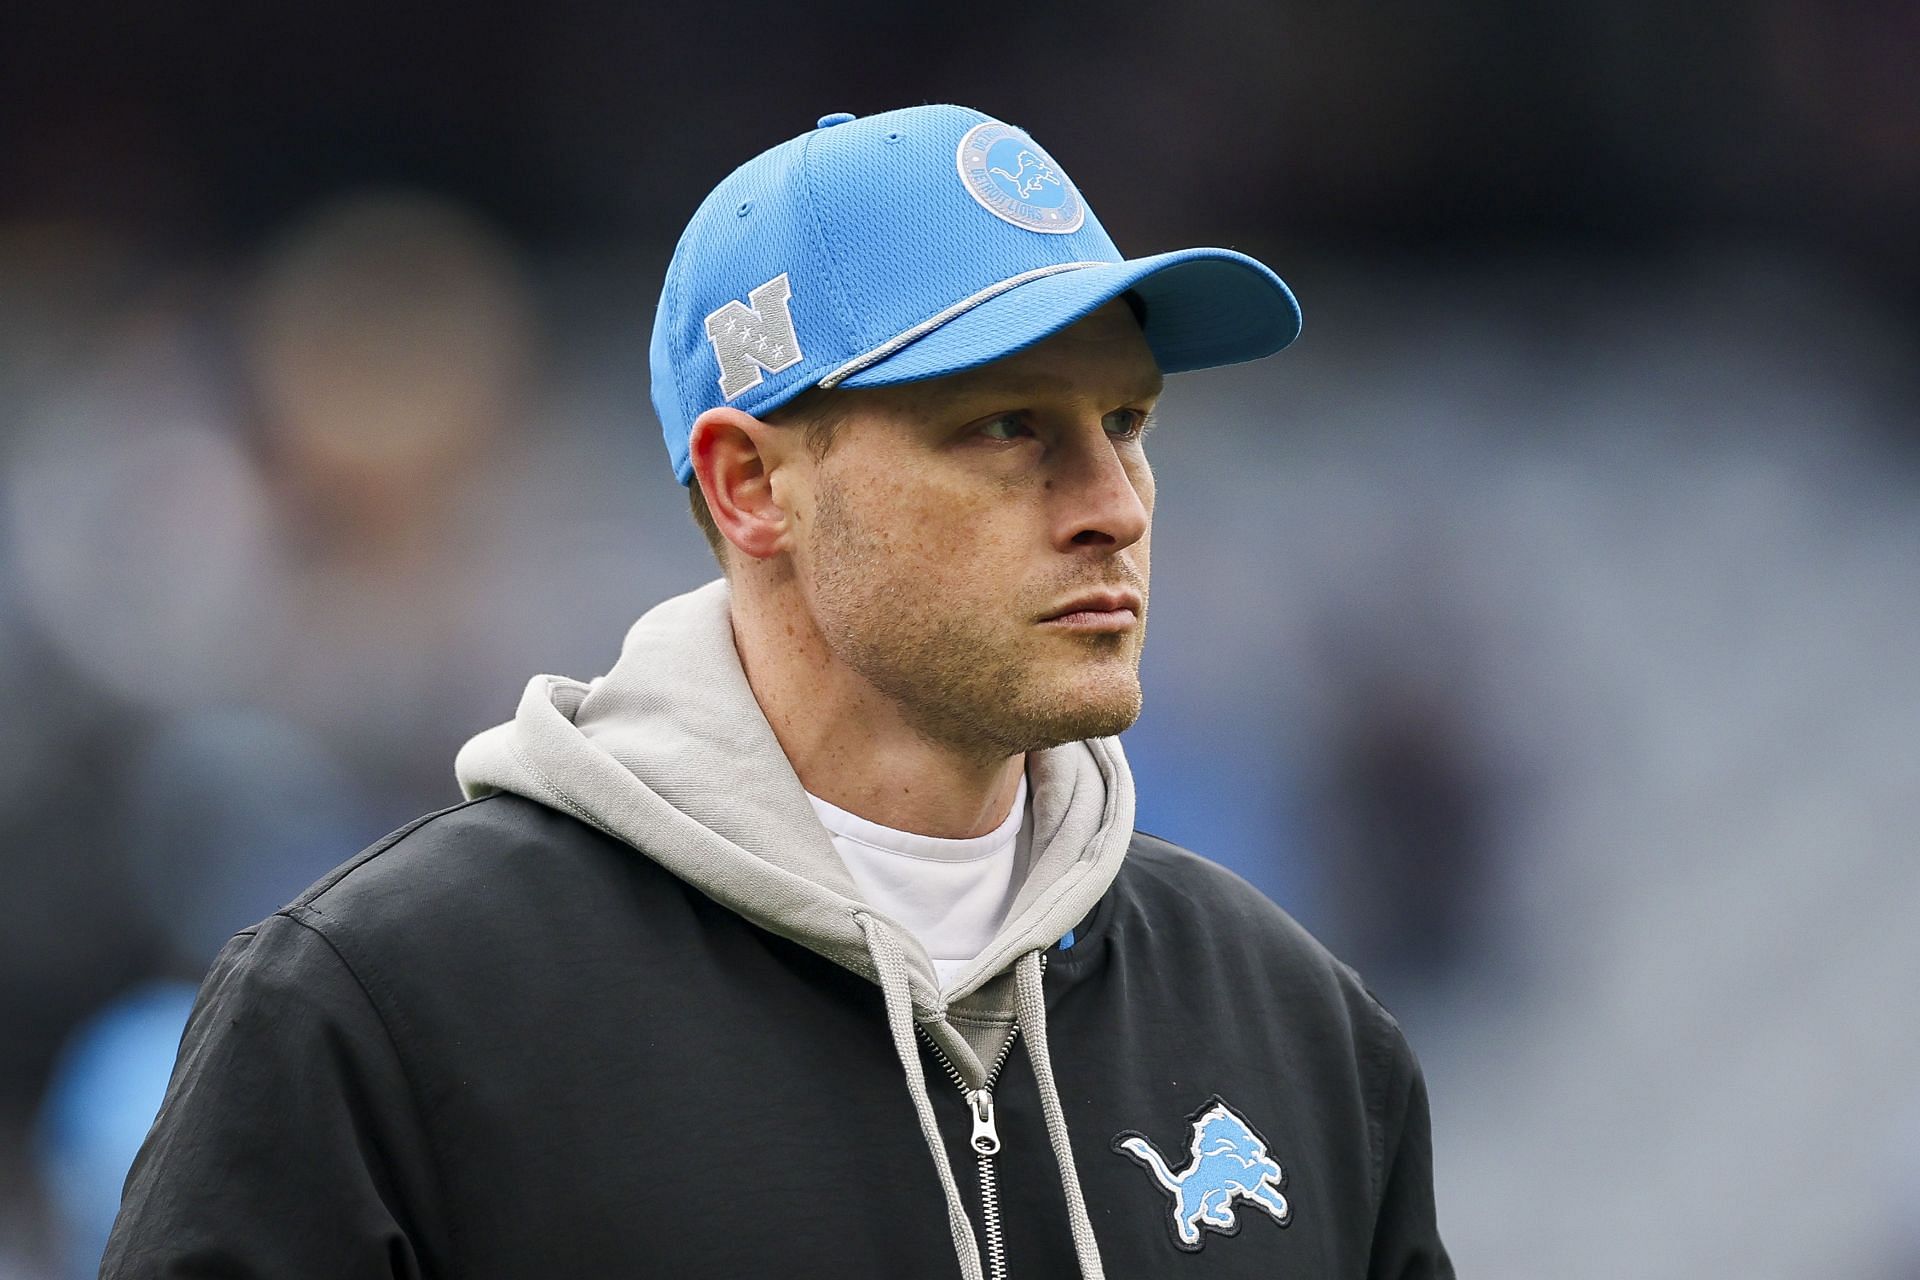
{"x":913,"y":244}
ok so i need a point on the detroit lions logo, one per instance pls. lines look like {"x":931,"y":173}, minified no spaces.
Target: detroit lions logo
{"x":1229,"y":1166}
{"x":1032,"y":171}
{"x":1010,"y":177}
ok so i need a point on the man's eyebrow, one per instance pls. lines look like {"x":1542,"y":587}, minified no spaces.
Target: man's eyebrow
{"x":1052,"y":384}
{"x":1152,"y":387}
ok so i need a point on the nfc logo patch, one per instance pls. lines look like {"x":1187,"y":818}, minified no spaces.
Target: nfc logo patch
{"x":1228,"y":1165}
{"x":755,"y":337}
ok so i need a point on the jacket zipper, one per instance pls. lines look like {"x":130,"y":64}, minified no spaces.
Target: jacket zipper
{"x":985,"y":1143}
{"x":985,"y":1140}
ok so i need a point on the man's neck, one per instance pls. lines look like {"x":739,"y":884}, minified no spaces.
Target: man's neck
{"x":850,"y":744}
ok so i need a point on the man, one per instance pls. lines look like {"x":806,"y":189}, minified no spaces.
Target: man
{"x":814,"y":938}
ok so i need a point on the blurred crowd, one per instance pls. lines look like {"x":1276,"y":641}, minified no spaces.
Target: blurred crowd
{"x":1539,"y":630}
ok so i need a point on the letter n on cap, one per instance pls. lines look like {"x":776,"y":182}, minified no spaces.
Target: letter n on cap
{"x":751,"y":339}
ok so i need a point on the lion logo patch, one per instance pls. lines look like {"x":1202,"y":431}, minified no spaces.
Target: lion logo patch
{"x":1010,"y":177}
{"x":1227,"y":1167}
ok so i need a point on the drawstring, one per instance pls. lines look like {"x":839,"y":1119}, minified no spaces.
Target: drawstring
{"x":892,"y":969}
{"x":1031,"y":1006}
{"x":1031,"y":1011}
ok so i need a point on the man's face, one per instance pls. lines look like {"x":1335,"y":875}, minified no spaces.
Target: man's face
{"x":975,"y":547}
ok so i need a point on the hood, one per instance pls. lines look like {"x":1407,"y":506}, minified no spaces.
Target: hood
{"x":670,"y":753}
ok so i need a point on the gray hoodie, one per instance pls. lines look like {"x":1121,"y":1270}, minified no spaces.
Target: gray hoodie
{"x":670,"y":753}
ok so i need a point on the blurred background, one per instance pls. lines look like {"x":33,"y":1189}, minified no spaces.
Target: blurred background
{"x":1540,"y":629}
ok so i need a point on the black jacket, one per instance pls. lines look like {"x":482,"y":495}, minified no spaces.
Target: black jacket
{"x":500,"y":1044}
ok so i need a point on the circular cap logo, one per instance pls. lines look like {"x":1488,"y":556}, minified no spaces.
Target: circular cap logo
{"x":1014,"y":180}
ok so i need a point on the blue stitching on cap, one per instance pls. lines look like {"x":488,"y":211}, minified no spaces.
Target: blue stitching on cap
{"x":829,"y":258}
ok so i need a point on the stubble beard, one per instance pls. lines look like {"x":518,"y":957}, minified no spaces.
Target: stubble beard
{"x":988,"y":686}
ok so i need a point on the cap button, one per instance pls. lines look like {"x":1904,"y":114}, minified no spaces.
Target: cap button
{"x":837,"y":117}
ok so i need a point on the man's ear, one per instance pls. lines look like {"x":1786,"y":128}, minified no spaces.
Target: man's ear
{"x":734,"y":456}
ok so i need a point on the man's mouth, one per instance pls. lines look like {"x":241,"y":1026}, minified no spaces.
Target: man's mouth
{"x":1111,"y":610}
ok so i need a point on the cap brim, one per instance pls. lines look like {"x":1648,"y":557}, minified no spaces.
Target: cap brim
{"x":1204,"y":308}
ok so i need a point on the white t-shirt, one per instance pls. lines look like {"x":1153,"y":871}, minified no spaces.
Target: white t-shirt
{"x":953,"y":894}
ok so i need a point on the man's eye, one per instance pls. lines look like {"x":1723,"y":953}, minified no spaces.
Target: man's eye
{"x":1008,"y":426}
{"x":1125,"y":424}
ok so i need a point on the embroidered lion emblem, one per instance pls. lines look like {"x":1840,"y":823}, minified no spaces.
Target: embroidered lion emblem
{"x":1229,"y":1166}
{"x":1029,"y":172}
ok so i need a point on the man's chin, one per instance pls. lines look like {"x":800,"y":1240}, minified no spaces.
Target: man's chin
{"x":1094,"y":714}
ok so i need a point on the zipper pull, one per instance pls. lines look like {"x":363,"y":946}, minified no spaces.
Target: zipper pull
{"x":986,"y":1139}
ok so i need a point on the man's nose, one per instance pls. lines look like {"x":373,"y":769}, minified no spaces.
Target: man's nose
{"x":1098,"y":496}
